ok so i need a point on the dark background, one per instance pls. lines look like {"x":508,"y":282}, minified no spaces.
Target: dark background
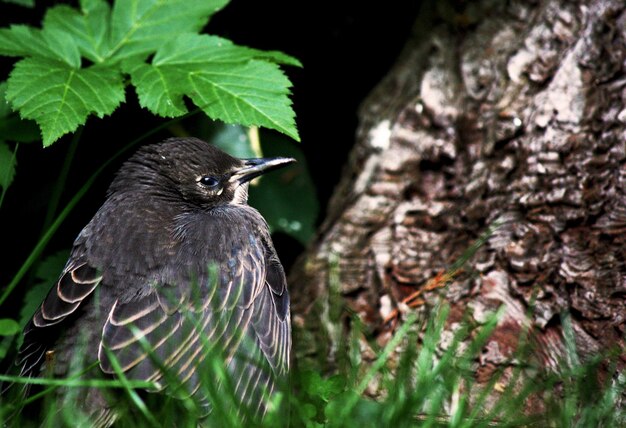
{"x":346,"y":48}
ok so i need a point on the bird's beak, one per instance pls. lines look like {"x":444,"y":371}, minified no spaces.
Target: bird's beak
{"x":252,"y":168}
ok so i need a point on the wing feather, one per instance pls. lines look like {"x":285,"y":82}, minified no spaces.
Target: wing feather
{"x":76,"y":283}
{"x":246,"y":321}
{"x":128,"y":325}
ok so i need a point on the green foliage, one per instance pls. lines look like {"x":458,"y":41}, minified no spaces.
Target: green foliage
{"x":8,"y":327}
{"x":429,"y":386}
{"x":25,"y":3}
{"x":286,"y":198}
{"x":7,"y":165}
{"x":228,"y":82}
{"x":75,"y":66}
{"x":233,"y":139}
{"x":59,"y":98}
{"x":12,"y":128}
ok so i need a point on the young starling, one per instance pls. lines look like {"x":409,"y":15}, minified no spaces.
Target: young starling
{"x":173,"y":267}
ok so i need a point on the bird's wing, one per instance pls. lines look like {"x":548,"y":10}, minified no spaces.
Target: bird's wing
{"x":75,"y":284}
{"x":237,"y":310}
{"x":271,"y":320}
{"x":77,"y":281}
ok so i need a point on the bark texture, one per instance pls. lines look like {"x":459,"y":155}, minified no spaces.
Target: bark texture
{"x":506,"y":110}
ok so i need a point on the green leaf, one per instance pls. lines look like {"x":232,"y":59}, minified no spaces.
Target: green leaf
{"x":160,"y":91}
{"x":89,"y":27}
{"x":281,"y":58}
{"x":5,"y":108}
{"x":25,"y":3}
{"x":141,"y":26}
{"x":12,"y":128}
{"x":50,"y":268}
{"x":233,"y":139}
{"x":63,"y":45}
{"x":20,"y":40}
{"x":254,"y":93}
{"x":200,"y":49}
{"x":8,"y":327}
{"x":7,"y":165}
{"x":231,"y":83}
{"x":324,"y":388}
{"x":60,"y":98}
{"x":286,"y":198}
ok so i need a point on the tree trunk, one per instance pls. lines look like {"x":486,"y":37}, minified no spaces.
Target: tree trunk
{"x":510,"y":111}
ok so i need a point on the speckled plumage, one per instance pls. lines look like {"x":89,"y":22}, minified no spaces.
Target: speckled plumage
{"x":164,"y":253}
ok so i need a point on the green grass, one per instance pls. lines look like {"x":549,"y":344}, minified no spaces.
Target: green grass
{"x":429,"y":387}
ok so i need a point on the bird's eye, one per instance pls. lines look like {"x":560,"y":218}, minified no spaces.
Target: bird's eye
{"x":209,"y":181}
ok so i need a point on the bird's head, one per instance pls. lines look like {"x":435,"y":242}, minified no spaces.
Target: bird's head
{"x":191,"y":169}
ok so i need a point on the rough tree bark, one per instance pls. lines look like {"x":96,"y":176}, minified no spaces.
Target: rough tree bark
{"x":513,"y":110}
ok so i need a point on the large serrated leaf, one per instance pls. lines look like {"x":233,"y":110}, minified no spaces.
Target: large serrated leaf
{"x":20,"y":40}
{"x":160,"y":90}
{"x":89,"y":27}
{"x":59,"y":98}
{"x":141,"y":26}
{"x":254,"y":93}
{"x":64,"y":45}
{"x":189,"y":49}
{"x":12,"y":128}
{"x":232,"y":83}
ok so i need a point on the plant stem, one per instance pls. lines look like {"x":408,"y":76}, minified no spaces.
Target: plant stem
{"x":4,"y":189}
{"x":45,"y":238}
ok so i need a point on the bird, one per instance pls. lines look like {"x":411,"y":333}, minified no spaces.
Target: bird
{"x":174,"y":268}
